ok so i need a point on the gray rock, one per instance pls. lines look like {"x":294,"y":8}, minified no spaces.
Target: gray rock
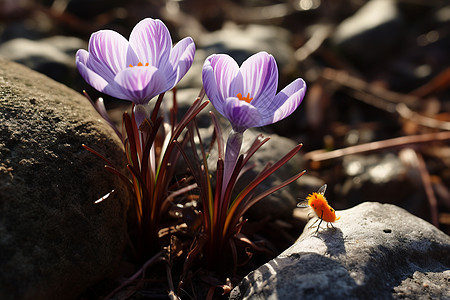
{"x":281,"y":203}
{"x":443,"y":14}
{"x":382,"y":177}
{"x":54,"y":241}
{"x":240,"y":42}
{"x":54,"y":56}
{"x":368,"y":35}
{"x":376,"y":251}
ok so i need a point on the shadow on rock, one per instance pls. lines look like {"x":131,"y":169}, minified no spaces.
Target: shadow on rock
{"x":376,"y":251}
{"x":334,"y":240}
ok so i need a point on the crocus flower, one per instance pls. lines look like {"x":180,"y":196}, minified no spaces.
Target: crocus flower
{"x":246,"y":96}
{"x":138,"y":69}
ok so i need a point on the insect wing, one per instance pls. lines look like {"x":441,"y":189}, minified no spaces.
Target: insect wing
{"x":322,"y":189}
{"x":303,"y":204}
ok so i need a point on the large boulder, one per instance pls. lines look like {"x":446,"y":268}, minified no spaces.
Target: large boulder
{"x":54,"y":240}
{"x":376,"y":251}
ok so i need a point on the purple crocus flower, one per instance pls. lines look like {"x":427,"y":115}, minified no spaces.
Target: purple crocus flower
{"x":138,"y":69}
{"x":246,"y":96}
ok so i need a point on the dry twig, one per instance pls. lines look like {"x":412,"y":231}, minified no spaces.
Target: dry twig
{"x":426,"y":180}
{"x":321,"y":155}
{"x":415,"y":161}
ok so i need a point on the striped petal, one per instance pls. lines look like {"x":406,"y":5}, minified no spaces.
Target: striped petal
{"x":220,"y":79}
{"x":260,"y":73}
{"x":151,"y":41}
{"x":181,"y":57}
{"x":97,"y":81}
{"x":108,"y":51}
{"x":285,"y":102}
{"x":241,"y":114}
{"x":141,"y":84}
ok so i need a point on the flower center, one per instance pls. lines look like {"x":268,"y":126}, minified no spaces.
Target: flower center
{"x":246,"y":99}
{"x":139,"y":65}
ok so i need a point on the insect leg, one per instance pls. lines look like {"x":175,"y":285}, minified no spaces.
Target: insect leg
{"x":313,"y":223}
{"x":319,"y":222}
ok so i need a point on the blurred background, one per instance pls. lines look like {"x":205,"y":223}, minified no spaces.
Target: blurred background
{"x":375,"y":123}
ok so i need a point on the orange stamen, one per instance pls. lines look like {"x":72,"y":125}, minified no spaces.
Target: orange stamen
{"x":139,"y":65}
{"x":246,"y":99}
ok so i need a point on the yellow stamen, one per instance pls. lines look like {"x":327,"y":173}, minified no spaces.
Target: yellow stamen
{"x":246,"y":99}
{"x":139,"y":65}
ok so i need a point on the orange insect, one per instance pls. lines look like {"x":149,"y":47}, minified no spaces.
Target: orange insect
{"x":320,"y":206}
